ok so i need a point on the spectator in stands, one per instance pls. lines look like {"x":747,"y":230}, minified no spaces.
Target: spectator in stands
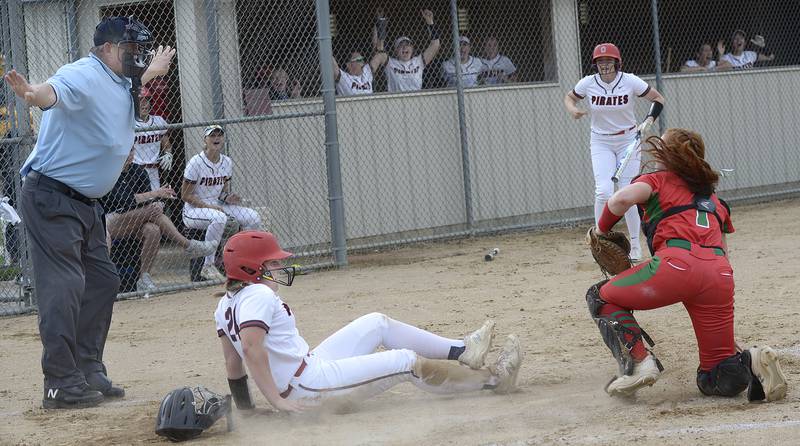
{"x":358,"y":78}
{"x":133,"y":210}
{"x":280,"y":88}
{"x":256,"y":95}
{"x":499,"y":68}
{"x":704,"y":62}
{"x":471,"y":67}
{"x":404,"y":70}
{"x":741,"y":59}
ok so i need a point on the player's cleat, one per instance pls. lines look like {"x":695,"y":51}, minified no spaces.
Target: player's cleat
{"x":768,"y":380}
{"x":199,"y":248}
{"x":645,"y":373}
{"x":74,"y":397}
{"x":210,"y":272}
{"x":477,"y":346}
{"x":506,"y":368}
{"x":145,"y":283}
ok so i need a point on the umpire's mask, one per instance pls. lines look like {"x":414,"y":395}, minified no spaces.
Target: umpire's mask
{"x":127,"y":30}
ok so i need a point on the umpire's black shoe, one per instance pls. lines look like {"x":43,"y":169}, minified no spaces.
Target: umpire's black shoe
{"x":74,"y":397}
{"x":101,"y":383}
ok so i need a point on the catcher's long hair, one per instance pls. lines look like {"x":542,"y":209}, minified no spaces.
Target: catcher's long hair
{"x":683,"y":152}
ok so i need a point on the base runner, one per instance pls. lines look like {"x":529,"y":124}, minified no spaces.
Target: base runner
{"x":611,"y":96}
{"x":257,"y":328}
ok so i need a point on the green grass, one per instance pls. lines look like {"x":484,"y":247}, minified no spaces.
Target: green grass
{"x":9,"y":272}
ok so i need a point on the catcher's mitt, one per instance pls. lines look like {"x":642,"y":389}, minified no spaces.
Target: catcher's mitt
{"x":610,"y":251}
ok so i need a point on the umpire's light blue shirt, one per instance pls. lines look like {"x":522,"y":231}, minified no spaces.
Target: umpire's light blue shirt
{"x":86,"y":135}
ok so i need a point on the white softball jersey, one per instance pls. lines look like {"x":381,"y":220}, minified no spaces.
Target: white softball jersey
{"x":499,"y":64}
{"x":404,"y":76}
{"x":612,"y":105}
{"x":712,"y":64}
{"x":258,"y":306}
{"x":208,"y":177}
{"x":147,"y":145}
{"x":469,"y":71}
{"x":349,"y":85}
{"x":743,"y":61}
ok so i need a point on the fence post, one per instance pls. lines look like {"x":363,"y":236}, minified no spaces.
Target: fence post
{"x":72,"y":31}
{"x":332,"y":161}
{"x":22,"y":128}
{"x":212,"y":39}
{"x":462,"y":118}
{"x":662,"y":121}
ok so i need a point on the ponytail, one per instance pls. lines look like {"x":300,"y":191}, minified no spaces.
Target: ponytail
{"x":683,"y":153}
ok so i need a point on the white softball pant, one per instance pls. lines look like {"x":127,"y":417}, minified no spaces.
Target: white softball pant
{"x":607,"y":153}
{"x":152,"y":174}
{"x":346,"y":368}
{"x":213,"y":221}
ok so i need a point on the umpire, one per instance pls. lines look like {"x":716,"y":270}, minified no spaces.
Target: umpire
{"x":85,"y":135}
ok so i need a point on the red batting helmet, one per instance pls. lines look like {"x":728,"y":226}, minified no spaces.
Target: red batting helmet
{"x":606,"y":50}
{"x":245,"y":253}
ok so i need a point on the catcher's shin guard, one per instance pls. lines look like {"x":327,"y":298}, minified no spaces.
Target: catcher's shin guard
{"x":241,"y":393}
{"x":614,"y":332}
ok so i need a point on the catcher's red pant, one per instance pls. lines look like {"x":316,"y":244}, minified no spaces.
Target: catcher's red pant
{"x":701,"y":278}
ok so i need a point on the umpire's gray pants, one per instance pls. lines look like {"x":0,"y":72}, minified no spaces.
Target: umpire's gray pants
{"x":74,"y":279}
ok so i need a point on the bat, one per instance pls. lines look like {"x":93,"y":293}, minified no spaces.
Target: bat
{"x":629,"y":152}
{"x":491,"y":254}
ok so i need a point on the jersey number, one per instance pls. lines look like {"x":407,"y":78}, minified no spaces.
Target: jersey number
{"x":233,"y":327}
{"x":702,"y":219}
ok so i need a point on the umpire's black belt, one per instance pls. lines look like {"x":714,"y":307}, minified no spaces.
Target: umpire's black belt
{"x":59,"y":186}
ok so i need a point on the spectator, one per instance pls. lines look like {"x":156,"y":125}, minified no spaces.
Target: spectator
{"x":358,"y":77}
{"x":134,"y":210}
{"x":256,"y":93}
{"x":704,"y":62}
{"x":149,"y":144}
{"x":206,"y":191}
{"x":741,"y":59}
{"x":404,"y":72}
{"x":499,"y":68}
{"x":279,"y":86}
{"x":471,"y":67}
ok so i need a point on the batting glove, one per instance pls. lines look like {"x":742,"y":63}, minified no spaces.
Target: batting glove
{"x":165,"y":161}
{"x":645,"y":125}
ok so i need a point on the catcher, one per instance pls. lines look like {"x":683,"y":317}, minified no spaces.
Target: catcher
{"x":685,"y":224}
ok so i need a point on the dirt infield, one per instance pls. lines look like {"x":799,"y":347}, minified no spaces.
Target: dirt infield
{"x":534,"y":288}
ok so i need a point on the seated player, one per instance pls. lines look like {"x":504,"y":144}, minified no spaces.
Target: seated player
{"x":133,"y":210}
{"x":208,"y":201}
{"x":257,"y":329}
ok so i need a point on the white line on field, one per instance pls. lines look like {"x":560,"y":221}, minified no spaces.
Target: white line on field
{"x":735,"y":427}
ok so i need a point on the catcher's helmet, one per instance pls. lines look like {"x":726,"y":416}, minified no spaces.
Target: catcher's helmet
{"x":127,"y":30}
{"x":245,"y":253}
{"x":607,"y":50}
{"x":186,"y":412}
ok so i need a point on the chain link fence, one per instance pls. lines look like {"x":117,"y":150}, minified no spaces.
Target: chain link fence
{"x":448,"y":119}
